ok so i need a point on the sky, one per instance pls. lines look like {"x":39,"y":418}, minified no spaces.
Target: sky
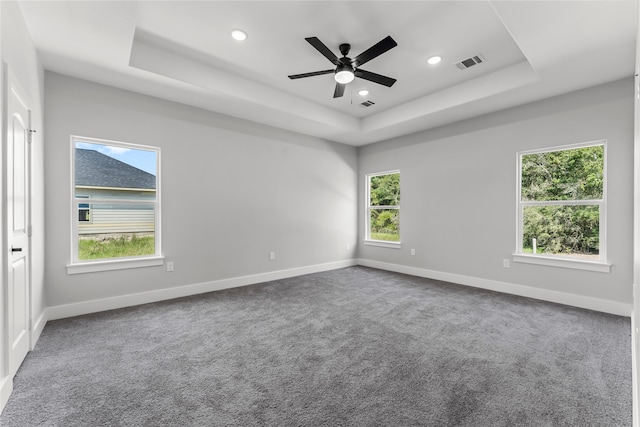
{"x":141,"y":159}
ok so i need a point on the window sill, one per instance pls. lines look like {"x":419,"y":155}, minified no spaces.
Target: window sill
{"x":599,"y":266}
{"x":119,"y":264}
{"x":383,"y":244}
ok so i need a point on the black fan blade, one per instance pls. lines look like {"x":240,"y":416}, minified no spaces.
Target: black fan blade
{"x":315,"y":73}
{"x":320,"y":47}
{"x":376,"y":50}
{"x":376,"y":78}
{"x":339,"y":90}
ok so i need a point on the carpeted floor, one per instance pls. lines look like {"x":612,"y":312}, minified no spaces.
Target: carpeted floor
{"x":349,"y":347}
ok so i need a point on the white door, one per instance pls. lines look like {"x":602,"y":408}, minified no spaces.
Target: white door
{"x":18,"y":263}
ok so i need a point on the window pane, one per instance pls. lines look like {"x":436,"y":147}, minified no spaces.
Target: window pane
{"x":385,"y":224}
{"x":117,"y":230}
{"x":566,"y":230}
{"x":384,"y":190}
{"x":104,"y":171}
{"x":83,"y":214}
{"x":575,"y":174}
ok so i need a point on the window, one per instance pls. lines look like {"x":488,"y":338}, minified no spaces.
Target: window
{"x":84,"y":213}
{"x":120,"y":227}
{"x":562,"y":207}
{"x":383,"y":209}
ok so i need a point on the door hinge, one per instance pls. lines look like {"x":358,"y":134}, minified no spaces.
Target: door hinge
{"x":30,"y":138}
{"x":29,"y":231}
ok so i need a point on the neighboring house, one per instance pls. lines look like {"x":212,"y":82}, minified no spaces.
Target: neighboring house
{"x":98,"y":176}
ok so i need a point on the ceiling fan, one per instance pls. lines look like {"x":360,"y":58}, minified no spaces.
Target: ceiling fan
{"x":346,"y":68}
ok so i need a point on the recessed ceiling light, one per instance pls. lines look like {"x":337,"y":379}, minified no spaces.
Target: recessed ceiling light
{"x":239,"y":35}
{"x":363,"y":92}
{"x":434,"y":60}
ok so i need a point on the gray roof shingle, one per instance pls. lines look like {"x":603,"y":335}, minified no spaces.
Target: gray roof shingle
{"x":95,"y":169}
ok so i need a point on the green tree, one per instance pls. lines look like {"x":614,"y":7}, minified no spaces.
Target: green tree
{"x":575,"y":174}
{"x":562,"y":229}
{"x":384,"y":191}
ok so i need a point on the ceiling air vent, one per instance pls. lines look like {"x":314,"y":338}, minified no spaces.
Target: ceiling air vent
{"x":367,"y":103}
{"x":470,"y":62}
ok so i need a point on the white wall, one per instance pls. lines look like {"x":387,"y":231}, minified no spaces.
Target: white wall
{"x":458,"y":195}
{"x":232,"y":191}
{"x":635,"y":318}
{"x":18,"y":52}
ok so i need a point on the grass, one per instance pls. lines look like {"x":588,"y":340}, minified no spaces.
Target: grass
{"x":529,"y":250}
{"x":389,"y":237}
{"x":116,"y":247}
{"x":541,"y":251}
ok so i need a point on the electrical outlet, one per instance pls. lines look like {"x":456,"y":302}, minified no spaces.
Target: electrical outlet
{"x":506,"y":263}
{"x":170,"y":266}
{"x":413,"y":251}
{"x":272,"y":256}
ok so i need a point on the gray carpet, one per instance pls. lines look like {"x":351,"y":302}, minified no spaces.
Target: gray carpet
{"x":350,"y":347}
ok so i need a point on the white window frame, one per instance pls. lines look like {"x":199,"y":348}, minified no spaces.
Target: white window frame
{"x":77,"y":266}
{"x":368,"y":240}
{"x":601,"y":264}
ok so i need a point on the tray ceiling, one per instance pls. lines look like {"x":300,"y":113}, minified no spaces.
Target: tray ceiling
{"x":183,"y":51}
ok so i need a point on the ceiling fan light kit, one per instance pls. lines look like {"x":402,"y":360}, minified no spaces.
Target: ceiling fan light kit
{"x":346,"y":68}
{"x":344,"y":76}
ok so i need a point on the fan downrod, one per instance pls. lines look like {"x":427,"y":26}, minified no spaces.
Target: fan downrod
{"x":344,"y":49}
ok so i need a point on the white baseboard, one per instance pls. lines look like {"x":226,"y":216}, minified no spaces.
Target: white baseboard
{"x":6,"y":387}
{"x":38,"y":327}
{"x":596,"y":304}
{"x":634,"y":371}
{"x":94,"y":306}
